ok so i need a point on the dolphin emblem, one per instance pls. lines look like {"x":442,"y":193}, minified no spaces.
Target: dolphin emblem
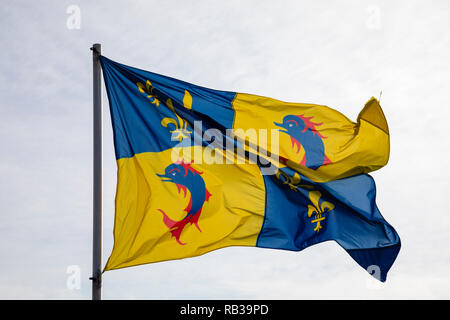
{"x":304,"y":134}
{"x":186,"y":178}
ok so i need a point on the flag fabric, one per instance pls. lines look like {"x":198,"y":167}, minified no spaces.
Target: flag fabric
{"x":315,"y":140}
{"x":171,"y":205}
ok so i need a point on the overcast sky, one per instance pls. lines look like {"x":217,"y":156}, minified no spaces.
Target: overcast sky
{"x":335,"y":53}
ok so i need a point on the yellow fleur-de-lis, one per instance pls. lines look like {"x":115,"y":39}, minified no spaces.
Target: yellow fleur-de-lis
{"x":318,"y":211}
{"x":148,"y":90}
{"x":181,"y":132}
{"x":187,"y":100}
{"x":292,"y":181}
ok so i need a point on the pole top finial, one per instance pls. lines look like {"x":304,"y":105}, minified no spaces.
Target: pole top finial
{"x":97,"y":48}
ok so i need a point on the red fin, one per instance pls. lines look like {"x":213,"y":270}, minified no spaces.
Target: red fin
{"x":303,"y":162}
{"x":175,"y":226}
{"x":326,"y":160}
{"x":207,"y":195}
{"x":188,"y":208}
{"x":187,"y":166}
{"x":181,"y":187}
{"x":283,"y":160}
{"x":311,"y":125}
{"x":296,"y":143}
{"x":194,"y":219}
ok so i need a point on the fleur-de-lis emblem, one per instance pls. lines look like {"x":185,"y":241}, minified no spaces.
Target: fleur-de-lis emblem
{"x":318,"y":210}
{"x":293,"y":181}
{"x":181,"y":132}
{"x":148,"y":90}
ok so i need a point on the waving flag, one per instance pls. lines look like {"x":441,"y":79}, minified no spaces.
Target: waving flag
{"x":171,"y":205}
{"x":315,"y":140}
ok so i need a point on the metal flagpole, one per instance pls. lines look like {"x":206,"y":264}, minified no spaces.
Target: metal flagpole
{"x":97,"y":195}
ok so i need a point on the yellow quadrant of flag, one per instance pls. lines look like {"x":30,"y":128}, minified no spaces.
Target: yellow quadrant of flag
{"x":352,"y":148}
{"x":232,"y":216}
